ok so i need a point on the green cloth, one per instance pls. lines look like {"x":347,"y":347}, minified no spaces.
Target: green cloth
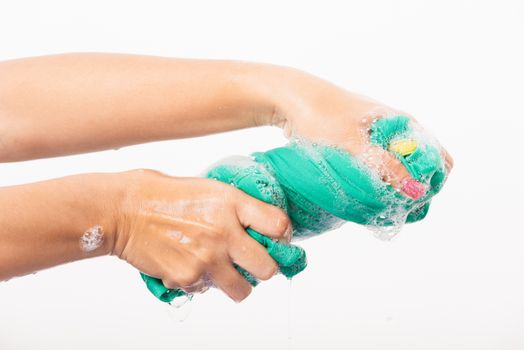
{"x":321,"y":187}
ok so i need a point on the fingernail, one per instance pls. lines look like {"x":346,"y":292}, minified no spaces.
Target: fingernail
{"x":413,"y":188}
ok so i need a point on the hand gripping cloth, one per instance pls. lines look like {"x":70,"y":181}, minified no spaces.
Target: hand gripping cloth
{"x":320,"y":187}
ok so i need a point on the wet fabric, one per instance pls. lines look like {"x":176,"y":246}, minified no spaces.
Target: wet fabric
{"x":321,"y":187}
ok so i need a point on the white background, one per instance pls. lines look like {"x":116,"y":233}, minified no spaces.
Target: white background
{"x":453,"y":281}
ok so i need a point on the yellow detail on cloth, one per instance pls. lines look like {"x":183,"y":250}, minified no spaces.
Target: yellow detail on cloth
{"x":403,"y":147}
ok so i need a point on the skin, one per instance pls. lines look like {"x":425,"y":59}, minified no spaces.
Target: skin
{"x":186,"y":231}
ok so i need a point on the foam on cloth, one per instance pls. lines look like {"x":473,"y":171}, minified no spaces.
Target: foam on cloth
{"x":321,"y":187}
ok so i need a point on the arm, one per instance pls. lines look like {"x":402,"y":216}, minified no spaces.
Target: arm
{"x":64,"y":104}
{"x":41,"y":224}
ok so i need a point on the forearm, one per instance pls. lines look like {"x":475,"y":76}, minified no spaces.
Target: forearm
{"x":48,"y":223}
{"x":64,"y":104}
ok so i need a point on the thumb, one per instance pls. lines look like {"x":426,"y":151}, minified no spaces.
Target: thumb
{"x":265,"y":218}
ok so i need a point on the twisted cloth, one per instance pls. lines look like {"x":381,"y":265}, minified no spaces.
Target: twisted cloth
{"x":320,"y":187}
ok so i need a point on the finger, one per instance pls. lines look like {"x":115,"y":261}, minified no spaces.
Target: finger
{"x":265,"y":218}
{"x":252,"y":256}
{"x":448,"y":160}
{"x":392,"y":171}
{"x":231,"y":282}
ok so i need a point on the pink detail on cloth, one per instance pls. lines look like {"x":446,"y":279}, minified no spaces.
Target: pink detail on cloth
{"x":413,"y":188}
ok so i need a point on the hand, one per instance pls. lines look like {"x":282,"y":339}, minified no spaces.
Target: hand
{"x":314,"y":109}
{"x":189,"y":232}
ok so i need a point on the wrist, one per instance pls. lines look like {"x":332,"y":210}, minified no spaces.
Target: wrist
{"x":284,"y":90}
{"x":269,"y":91}
{"x":126,"y":196}
{"x":110,"y":191}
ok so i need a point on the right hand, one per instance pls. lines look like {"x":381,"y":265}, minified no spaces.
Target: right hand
{"x":314,"y":109}
{"x":188,"y":232}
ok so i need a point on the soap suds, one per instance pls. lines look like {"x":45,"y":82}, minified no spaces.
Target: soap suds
{"x":92,"y":239}
{"x":179,"y":236}
{"x":195,"y":211}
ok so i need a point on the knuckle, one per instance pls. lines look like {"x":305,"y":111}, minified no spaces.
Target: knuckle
{"x":188,"y":277}
{"x":206,"y":257}
{"x":186,"y":281}
{"x":170,"y":283}
{"x":268,"y":272}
